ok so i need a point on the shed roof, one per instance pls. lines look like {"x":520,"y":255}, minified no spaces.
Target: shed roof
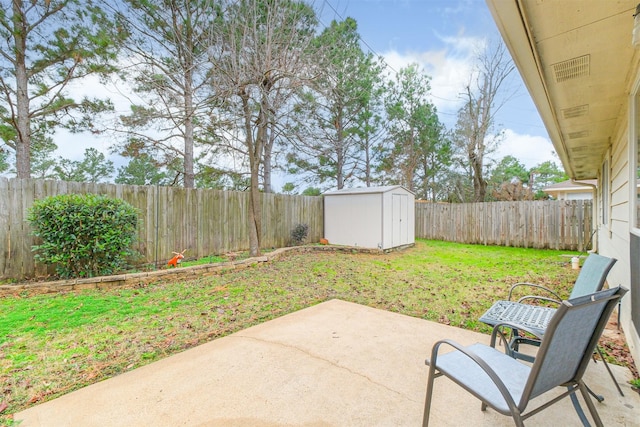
{"x":365,"y":190}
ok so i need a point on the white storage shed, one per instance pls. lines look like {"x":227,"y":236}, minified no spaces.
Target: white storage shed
{"x":370,"y":217}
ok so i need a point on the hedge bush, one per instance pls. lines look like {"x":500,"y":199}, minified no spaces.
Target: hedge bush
{"x":83,"y":235}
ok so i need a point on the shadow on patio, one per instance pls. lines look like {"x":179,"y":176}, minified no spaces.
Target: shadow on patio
{"x":334,"y":364}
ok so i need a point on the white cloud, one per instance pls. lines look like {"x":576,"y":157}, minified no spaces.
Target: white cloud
{"x":449,"y":68}
{"x":72,"y":146}
{"x":528,"y":149}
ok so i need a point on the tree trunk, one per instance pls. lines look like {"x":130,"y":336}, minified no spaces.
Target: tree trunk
{"x":410,"y":165}
{"x":189,"y":176}
{"x":339,"y":173}
{"x":367,"y":156}
{"x":255,"y":212}
{"x":21,"y":116}
{"x":266,"y":165}
{"x":254,"y":150}
{"x":479,"y":184}
{"x":340,"y":151}
{"x":367,"y":180}
{"x":266,"y":171}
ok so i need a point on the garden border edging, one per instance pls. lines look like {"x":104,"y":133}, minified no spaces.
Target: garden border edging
{"x":144,"y":278}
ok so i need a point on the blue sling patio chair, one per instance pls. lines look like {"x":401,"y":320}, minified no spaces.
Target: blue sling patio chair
{"x":507,"y":385}
{"x":535,"y":318}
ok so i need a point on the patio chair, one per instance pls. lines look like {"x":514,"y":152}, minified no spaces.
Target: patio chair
{"x":508,"y":385}
{"x":536,"y":318}
{"x":591,"y":278}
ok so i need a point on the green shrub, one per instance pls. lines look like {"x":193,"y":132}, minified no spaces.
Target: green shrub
{"x":299,"y":234}
{"x":83,"y":235}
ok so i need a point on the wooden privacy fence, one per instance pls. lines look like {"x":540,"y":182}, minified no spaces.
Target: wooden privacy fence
{"x":549,"y":224}
{"x":202,"y":221}
{"x":206,"y":222}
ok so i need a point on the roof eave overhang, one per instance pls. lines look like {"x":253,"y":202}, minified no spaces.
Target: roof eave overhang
{"x":516,"y":34}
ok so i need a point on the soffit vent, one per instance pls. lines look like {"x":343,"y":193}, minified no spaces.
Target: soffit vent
{"x":580,"y":150}
{"x":573,"y":112}
{"x":579,"y":134}
{"x":572,"y":69}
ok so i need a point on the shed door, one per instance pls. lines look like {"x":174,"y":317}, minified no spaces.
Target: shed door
{"x":399,"y":220}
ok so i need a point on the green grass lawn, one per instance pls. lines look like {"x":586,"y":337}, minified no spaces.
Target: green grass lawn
{"x":53,"y":344}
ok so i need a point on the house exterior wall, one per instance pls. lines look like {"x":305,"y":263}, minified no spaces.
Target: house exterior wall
{"x":576,"y":196}
{"x":614,"y":233}
{"x":611,"y":92}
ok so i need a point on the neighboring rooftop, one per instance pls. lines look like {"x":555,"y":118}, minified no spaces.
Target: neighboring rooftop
{"x":570,"y":190}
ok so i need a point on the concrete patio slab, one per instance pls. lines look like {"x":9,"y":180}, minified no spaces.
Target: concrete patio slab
{"x":334,"y":364}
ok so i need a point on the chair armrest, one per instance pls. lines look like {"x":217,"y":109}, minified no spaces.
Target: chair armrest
{"x":505,"y":341}
{"x":478,"y":361}
{"x":538,"y":297}
{"x":513,"y":326}
{"x":533,"y":285}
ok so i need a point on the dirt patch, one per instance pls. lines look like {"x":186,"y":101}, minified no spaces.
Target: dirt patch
{"x":124,"y":280}
{"x":614,"y":344}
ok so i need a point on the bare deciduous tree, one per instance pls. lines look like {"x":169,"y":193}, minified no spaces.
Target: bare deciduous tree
{"x":474,"y":134}
{"x":260,"y":57}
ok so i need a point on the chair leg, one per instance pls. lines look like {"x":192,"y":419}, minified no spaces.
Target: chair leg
{"x":576,"y":405}
{"x":514,"y":347}
{"x":590,"y":405}
{"x":606,"y":365}
{"x":517,"y":419}
{"x":598,"y":397}
{"x":427,"y":401}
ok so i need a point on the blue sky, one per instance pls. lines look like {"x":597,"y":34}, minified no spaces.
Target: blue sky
{"x":443,"y":36}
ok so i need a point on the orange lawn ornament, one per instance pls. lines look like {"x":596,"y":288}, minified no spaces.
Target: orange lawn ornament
{"x":177,"y":258}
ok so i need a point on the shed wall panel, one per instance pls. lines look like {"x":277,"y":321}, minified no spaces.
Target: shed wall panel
{"x":382,"y":217}
{"x":354,"y":221}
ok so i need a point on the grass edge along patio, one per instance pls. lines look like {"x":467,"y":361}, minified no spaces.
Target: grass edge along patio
{"x":57,"y":343}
